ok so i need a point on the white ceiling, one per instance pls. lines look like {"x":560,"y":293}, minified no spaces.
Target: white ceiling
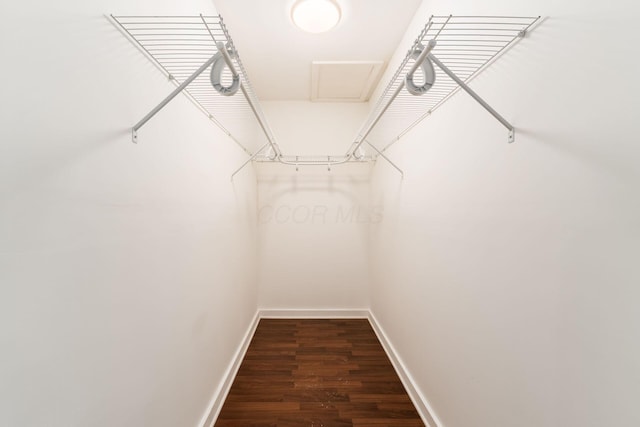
{"x":278,"y":56}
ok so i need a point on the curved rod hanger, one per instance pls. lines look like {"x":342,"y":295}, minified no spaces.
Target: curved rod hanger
{"x":254,"y":108}
{"x":215,"y":76}
{"x":414,"y":68}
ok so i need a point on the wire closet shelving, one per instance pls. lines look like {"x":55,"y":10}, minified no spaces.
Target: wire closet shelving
{"x":461,"y":47}
{"x":185,"y":48}
{"x":179,"y":46}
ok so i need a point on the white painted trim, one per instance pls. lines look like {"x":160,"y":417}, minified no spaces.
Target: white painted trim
{"x":223,"y":389}
{"x":313,"y":314}
{"x":419,"y":401}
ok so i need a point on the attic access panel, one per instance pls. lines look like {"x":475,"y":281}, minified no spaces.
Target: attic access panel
{"x":344,"y":81}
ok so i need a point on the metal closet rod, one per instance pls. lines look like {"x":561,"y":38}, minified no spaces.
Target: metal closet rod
{"x":339,"y":160}
{"x":295,"y":161}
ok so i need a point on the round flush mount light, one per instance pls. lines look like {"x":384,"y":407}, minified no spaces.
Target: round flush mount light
{"x":315,"y":16}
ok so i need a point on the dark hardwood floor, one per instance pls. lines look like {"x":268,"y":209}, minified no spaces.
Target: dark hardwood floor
{"x":317,"y":373}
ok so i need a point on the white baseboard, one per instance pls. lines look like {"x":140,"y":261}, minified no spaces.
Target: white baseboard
{"x":221,"y":393}
{"x":422,"y":405}
{"x":314,"y":314}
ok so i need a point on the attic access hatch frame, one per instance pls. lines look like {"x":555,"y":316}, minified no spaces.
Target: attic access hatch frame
{"x":469,"y":44}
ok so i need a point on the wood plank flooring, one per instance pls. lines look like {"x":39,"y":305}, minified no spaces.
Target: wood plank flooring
{"x":327,"y":373}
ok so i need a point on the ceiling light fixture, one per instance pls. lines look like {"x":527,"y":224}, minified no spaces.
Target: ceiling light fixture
{"x":316,"y":16}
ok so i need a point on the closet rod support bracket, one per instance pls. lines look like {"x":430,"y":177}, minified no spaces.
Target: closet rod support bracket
{"x":512,"y":135}
{"x":134,"y":136}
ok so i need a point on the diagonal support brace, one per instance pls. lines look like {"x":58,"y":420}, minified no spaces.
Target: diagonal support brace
{"x":475,"y":96}
{"x":249,"y":160}
{"x":183,"y":85}
{"x":386,"y":158}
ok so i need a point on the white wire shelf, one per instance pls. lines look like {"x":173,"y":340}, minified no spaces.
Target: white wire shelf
{"x":183,"y":47}
{"x":179,"y":46}
{"x":466,"y":45}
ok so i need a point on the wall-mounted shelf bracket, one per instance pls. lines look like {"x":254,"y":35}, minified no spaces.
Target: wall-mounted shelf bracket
{"x":179,"y":47}
{"x":475,"y":96}
{"x":450,"y":52}
{"x":172,"y":95}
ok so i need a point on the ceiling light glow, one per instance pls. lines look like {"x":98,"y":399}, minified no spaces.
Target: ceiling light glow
{"x":315,"y":16}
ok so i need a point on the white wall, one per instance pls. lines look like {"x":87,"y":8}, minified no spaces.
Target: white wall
{"x":313,"y":224}
{"x":506,"y":276}
{"x":127,"y":271}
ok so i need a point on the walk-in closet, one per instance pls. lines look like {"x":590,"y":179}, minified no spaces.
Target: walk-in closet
{"x":340,"y":213}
